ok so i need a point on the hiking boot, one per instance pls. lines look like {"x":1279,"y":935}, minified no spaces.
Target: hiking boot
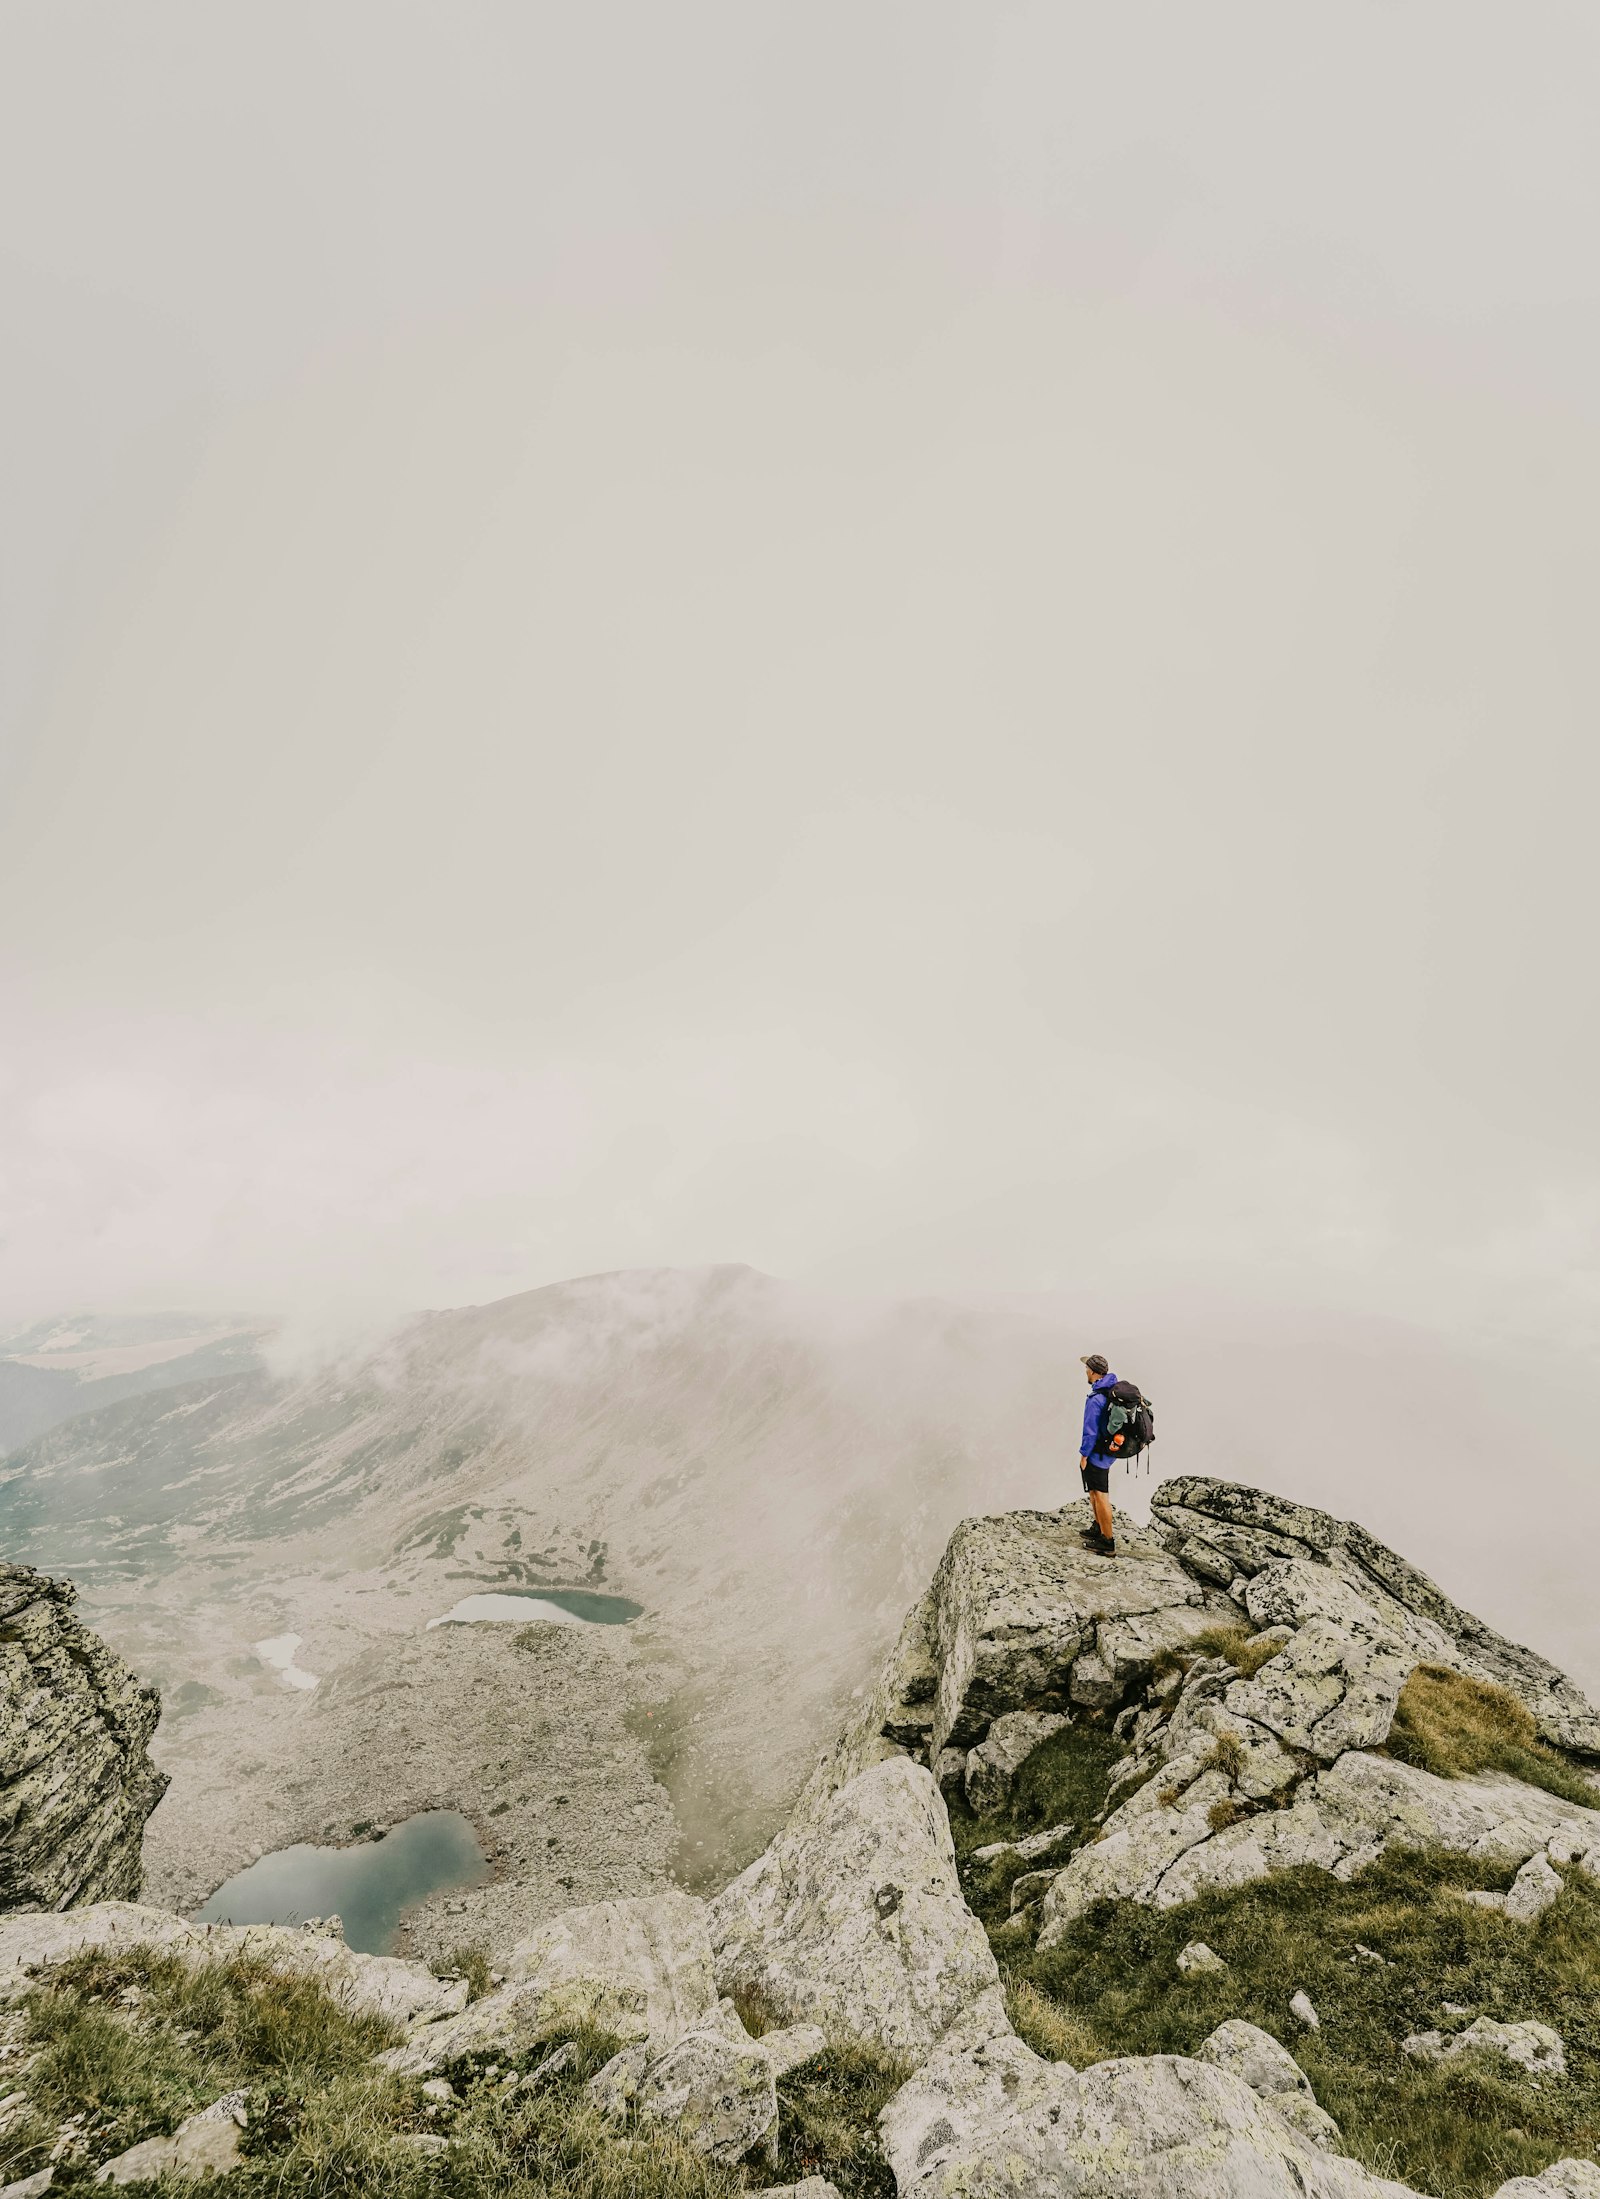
{"x":1103,"y":1546}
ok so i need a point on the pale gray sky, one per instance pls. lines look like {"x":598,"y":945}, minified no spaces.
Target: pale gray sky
{"x":935,"y":647}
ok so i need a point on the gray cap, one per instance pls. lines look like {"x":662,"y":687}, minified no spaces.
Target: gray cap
{"x":1097,"y":1362}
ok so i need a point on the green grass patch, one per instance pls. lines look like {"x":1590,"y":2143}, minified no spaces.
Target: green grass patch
{"x":1113,"y":1987}
{"x":1065,"y":1782}
{"x":827,"y":2121}
{"x":131,"y":2044}
{"x":136,"y":2041}
{"x":471,"y":1963}
{"x":1238,"y":1645}
{"x":1453,"y":1726}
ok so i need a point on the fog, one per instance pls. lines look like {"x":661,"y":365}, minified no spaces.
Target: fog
{"x":948,"y":651}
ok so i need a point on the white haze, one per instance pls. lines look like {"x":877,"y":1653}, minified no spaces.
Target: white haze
{"x":946,"y":650}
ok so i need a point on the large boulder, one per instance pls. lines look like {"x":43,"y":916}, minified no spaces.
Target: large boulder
{"x":1222,"y":1527}
{"x":1018,"y":1601}
{"x":993,"y":1765}
{"x":1561,"y":2180}
{"x":854,"y":1918}
{"x":1273,"y":2075}
{"x":76,"y":1780}
{"x":714,"y":2086}
{"x":963,"y":2095}
{"x":987,"y":2119}
{"x":641,"y":1968}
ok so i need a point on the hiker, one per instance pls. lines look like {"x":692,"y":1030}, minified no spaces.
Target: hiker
{"x":1096,"y":1464}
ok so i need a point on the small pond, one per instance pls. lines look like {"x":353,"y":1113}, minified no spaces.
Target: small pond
{"x":368,"y":1886}
{"x":562,"y":1606}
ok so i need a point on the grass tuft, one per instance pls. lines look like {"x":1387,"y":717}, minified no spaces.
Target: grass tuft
{"x":1453,"y":1726}
{"x":471,"y":1963}
{"x":135,"y":2041}
{"x":1113,"y":1987}
{"x":1065,"y":1782}
{"x":1238,"y":1645}
{"x":130,"y":2044}
{"x":828,"y":2117}
{"x":1049,"y":2028}
{"x":1231,"y":1810}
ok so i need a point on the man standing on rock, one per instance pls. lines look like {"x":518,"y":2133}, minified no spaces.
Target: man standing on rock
{"x":1094,"y":1463}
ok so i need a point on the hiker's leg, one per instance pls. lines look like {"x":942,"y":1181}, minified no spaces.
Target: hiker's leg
{"x":1104,"y":1518}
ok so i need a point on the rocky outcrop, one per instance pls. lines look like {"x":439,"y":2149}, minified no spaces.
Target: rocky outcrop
{"x":1237,"y":1773}
{"x":1025,"y":1618}
{"x":76,"y":1780}
{"x":639,"y":1968}
{"x":1222,"y":1531}
{"x":986,"y":2117}
{"x":854,"y":1917}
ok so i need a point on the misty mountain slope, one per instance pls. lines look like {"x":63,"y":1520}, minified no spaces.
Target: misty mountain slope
{"x":768,"y":1474}
{"x":56,"y":1370}
{"x":769,"y":1471}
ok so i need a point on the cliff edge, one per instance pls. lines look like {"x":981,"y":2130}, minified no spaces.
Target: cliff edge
{"x":76,"y":1780}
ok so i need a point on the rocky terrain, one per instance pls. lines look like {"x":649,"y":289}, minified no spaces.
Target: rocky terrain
{"x":1245,"y":1864}
{"x":76,"y":1780}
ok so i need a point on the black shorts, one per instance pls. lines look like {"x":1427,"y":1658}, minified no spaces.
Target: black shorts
{"x":1097,"y":1477}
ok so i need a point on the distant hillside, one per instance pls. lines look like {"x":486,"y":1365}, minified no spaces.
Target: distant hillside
{"x":57,"y":1369}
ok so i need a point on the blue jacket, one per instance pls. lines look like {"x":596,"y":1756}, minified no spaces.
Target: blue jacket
{"x":1094,"y":1413}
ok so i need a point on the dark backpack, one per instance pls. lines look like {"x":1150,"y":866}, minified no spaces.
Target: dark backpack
{"x":1129,"y":1425}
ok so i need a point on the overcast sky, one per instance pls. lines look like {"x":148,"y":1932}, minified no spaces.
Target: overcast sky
{"x":937,"y":647}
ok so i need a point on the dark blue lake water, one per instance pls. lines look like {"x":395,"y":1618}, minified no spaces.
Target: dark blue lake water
{"x":560,"y":1606}
{"x":368,"y":1886}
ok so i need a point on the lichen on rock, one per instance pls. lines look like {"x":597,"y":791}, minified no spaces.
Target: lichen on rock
{"x":76,"y":1780}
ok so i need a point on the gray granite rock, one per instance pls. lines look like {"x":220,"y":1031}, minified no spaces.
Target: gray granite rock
{"x":992,"y":1767}
{"x":1561,"y":2180}
{"x":31,"y":2187}
{"x":1017,"y":1599}
{"x":793,"y":2046}
{"x":989,"y":2120}
{"x":1198,"y":1960}
{"x":1332,"y":1686}
{"x":1273,"y":2074}
{"x":1533,"y":1889}
{"x":206,"y":2145}
{"x":717,"y":2092}
{"x":854,"y":1918}
{"x":640,"y":1967}
{"x":1531,"y":2046}
{"x":76,"y":1780}
{"x":1254,"y":1527}
{"x":1162,"y":1847}
{"x":1027,"y":1850}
